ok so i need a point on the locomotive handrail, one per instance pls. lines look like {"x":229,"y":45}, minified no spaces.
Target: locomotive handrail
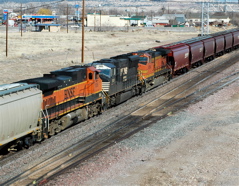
{"x":47,"y":116}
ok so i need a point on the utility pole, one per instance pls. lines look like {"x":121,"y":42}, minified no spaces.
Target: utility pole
{"x":100,"y":19}
{"x":94,"y":19}
{"x":83,"y":30}
{"x":7,"y":36}
{"x":100,"y":15}
{"x":67,"y":13}
{"x":21,"y":19}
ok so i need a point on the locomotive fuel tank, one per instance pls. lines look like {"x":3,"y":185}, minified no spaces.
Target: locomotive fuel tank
{"x":20,"y":107}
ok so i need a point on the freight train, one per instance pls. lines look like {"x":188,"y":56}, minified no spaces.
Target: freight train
{"x":35,"y":109}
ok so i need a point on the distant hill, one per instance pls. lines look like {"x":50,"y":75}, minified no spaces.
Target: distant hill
{"x":25,"y":1}
{"x":28,"y":1}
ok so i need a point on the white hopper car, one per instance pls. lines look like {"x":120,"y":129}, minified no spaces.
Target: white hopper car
{"x":20,"y":109}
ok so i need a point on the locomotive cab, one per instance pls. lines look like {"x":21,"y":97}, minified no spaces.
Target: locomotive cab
{"x":107,"y":74}
{"x":119,"y":77}
{"x":107,"y":70}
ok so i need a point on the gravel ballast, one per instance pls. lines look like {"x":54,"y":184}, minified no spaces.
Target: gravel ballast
{"x":197,"y":146}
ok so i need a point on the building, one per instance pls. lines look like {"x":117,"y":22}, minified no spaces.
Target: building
{"x":39,"y":19}
{"x":47,"y":27}
{"x":98,"y":20}
{"x":159,"y":20}
{"x":195,"y":18}
{"x":166,"y":19}
{"x":137,"y":20}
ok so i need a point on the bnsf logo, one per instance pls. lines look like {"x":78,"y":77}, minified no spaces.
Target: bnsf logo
{"x":69,"y":93}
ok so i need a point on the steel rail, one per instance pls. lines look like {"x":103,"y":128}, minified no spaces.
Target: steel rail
{"x":108,"y":133}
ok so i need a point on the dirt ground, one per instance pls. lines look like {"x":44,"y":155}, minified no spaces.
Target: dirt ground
{"x":36,"y":53}
{"x":206,"y":155}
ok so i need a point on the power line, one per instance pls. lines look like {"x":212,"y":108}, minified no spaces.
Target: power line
{"x":25,"y":1}
{"x":56,"y":2}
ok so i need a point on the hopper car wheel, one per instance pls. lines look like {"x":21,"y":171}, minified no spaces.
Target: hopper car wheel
{"x":28,"y":142}
{"x":185,"y":70}
{"x":19,"y":145}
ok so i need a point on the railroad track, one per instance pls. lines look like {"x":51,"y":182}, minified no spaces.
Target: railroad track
{"x":164,"y":104}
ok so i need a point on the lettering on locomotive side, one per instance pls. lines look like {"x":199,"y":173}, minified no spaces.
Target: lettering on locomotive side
{"x":186,"y":55}
{"x":49,"y":102}
{"x":69,"y":93}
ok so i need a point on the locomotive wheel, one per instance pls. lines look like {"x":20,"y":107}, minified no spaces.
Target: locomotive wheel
{"x":112,"y":101}
{"x":104,"y":108}
{"x":90,"y":111}
{"x":95,"y":109}
{"x":134,"y":92}
{"x":52,"y":131}
{"x":143,"y":89}
{"x":57,"y":130}
{"x":99,"y":109}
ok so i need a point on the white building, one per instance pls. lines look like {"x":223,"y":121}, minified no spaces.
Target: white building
{"x":196,"y":18}
{"x":97,"y":20}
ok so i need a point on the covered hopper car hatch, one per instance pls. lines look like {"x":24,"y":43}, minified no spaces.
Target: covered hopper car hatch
{"x":17,"y":101}
{"x":70,"y":95}
{"x":120,"y":78}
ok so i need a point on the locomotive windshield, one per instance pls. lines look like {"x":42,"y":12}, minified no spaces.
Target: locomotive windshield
{"x":105,"y":69}
{"x":106,"y":72}
{"x":143,"y":60}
